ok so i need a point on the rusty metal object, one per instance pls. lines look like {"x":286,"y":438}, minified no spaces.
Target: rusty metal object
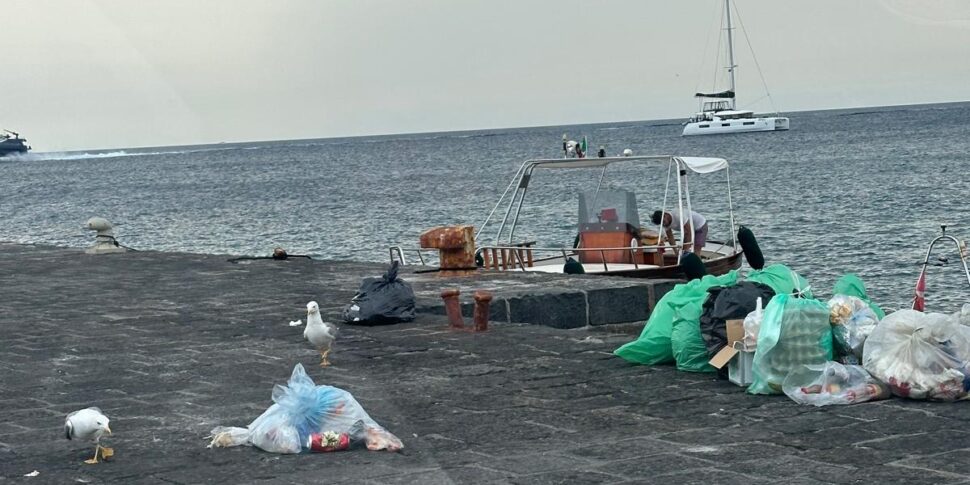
{"x":456,"y":247}
{"x":453,"y":308}
{"x":482,"y":300}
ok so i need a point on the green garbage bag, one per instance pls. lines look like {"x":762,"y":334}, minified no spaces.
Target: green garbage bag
{"x":690,"y":352}
{"x":794,"y":332}
{"x":851,"y":285}
{"x":780,"y":278}
{"x":654,"y":345}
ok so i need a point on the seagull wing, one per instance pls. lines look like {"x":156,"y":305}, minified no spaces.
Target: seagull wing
{"x":68,"y":428}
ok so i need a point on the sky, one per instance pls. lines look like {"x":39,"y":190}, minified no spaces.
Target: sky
{"x":88,"y":74}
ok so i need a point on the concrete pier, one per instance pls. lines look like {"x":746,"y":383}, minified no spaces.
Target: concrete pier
{"x":171,"y":345}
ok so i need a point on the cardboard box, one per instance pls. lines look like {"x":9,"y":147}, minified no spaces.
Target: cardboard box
{"x":735,"y":355}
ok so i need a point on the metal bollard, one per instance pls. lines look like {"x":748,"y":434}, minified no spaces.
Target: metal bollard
{"x":482,"y":300}
{"x":453,"y":308}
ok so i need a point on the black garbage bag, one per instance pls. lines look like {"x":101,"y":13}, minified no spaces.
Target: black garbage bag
{"x":381,"y":301}
{"x":729,"y":303}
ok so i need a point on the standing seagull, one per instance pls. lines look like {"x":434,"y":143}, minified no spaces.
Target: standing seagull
{"x":89,"y":424}
{"x":318,"y":332}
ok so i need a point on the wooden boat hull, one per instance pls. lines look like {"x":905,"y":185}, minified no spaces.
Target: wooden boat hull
{"x":716,"y":267}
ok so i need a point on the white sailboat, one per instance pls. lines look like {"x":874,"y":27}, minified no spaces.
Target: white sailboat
{"x":719,"y":113}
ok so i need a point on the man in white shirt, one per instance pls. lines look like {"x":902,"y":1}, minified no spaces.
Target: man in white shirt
{"x":697,"y":237}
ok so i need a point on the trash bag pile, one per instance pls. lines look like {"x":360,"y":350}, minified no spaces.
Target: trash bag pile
{"x":845,"y":350}
{"x":309,"y":418}
{"x":381,"y":301}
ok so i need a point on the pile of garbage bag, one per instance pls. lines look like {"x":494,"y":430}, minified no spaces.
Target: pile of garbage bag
{"x":309,"y":418}
{"x":808,"y":349}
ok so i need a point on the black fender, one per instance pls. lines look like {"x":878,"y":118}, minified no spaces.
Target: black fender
{"x":693,"y":266}
{"x":749,"y":245}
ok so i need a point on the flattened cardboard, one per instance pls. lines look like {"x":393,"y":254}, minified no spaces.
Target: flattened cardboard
{"x":735,"y":333}
{"x":723,"y":356}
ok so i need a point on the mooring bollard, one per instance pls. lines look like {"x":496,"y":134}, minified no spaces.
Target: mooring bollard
{"x":453,"y":308}
{"x":482,"y":300}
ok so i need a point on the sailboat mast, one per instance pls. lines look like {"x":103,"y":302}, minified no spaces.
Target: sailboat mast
{"x":730,"y":45}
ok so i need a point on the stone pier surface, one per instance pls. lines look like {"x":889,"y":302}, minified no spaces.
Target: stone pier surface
{"x":171,"y":345}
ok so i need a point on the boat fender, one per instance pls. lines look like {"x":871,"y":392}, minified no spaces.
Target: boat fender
{"x":573,"y":267}
{"x":693,"y":266}
{"x":749,"y":245}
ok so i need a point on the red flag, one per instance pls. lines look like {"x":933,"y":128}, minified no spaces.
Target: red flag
{"x":919,"y":302}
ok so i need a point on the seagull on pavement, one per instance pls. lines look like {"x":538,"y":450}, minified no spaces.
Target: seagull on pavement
{"x":89,"y":424}
{"x":321,"y":334}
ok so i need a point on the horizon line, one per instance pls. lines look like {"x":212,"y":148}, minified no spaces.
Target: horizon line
{"x":374,"y":135}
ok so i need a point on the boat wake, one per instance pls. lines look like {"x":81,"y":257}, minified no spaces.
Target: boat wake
{"x":46,"y":156}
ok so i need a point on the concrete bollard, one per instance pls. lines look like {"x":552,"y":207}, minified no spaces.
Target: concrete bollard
{"x":482,"y":300}
{"x":453,"y":308}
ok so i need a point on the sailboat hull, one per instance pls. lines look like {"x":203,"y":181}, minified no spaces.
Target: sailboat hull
{"x":742,"y":125}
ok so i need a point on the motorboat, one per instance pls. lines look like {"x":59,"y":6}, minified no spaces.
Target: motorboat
{"x":610,"y":239}
{"x":719,"y":113}
{"x":12,"y":144}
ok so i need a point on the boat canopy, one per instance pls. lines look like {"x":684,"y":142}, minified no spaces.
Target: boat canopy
{"x":728,"y":94}
{"x":695,"y":164}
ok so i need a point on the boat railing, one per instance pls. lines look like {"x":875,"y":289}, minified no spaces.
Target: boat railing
{"x":398,"y":254}
{"x":523,"y":257}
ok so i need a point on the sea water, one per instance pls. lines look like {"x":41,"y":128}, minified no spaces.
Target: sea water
{"x":858,"y":190}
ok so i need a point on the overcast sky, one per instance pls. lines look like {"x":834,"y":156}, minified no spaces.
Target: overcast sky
{"x":80,"y":74}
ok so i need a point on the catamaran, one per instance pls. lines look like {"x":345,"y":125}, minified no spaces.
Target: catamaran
{"x":719,"y":113}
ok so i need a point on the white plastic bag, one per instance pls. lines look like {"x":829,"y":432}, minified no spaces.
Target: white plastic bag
{"x":833,"y":383}
{"x":852,"y":321}
{"x":964,"y":315}
{"x":752,"y":324}
{"x":920,"y":355}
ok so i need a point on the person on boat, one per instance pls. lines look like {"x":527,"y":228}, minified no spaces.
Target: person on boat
{"x":602,"y":152}
{"x":697,"y":238}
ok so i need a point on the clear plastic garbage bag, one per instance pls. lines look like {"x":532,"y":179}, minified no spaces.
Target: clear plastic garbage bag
{"x":794,"y":332}
{"x":307,"y":417}
{"x":920,"y":355}
{"x":852,"y":321}
{"x":833,"y":383}
{"x":963,"y":315}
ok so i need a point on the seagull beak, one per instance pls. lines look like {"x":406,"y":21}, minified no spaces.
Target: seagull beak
{"x":107,"y":429}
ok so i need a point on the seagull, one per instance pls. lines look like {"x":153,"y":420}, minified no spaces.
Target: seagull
{"x":89,"y":424}
{"x":318,"y":332}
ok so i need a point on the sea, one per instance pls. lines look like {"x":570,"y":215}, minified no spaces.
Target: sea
{"x":859,"y":191}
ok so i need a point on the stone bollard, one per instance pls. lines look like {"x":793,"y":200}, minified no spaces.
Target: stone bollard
{"x":456,"y":247}
{"x":453,"y":308}
{"x":104,"y":242}
{"x":482,"y":300}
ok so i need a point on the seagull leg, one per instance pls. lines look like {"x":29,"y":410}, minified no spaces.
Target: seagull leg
{"x":325,"y":354}
{"x":93,"y":460}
